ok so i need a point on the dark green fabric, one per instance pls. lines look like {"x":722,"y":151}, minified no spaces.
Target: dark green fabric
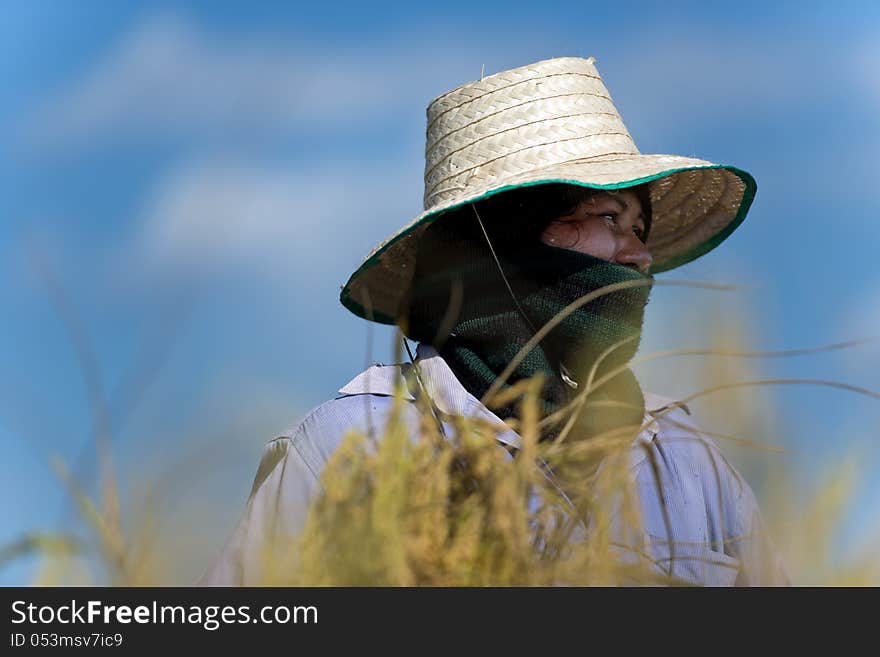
{"x":489,"y":329}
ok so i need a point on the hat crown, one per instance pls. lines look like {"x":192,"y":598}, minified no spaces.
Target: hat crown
{"x":548,"y":113}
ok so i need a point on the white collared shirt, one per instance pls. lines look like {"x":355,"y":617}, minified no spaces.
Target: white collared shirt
{"x":701,"y":520}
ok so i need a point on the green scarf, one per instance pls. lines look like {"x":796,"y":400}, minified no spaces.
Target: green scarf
{"x":489,"y":330}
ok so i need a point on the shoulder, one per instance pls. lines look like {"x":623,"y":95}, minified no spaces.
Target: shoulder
{"x":685,"y":457}
{"x":691,"y":492}
{"x":363,"y":404}
{"x":288,"y":479}
{"x":704,"y":480}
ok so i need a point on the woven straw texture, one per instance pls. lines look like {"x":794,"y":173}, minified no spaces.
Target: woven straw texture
{"x":552,"y":121}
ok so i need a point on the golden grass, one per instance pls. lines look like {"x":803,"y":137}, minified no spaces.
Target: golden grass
{"x":456,"y":510}
{"x":449,"y":512}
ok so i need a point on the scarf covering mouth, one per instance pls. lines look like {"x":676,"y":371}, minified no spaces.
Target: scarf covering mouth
{"x":488,"y":330}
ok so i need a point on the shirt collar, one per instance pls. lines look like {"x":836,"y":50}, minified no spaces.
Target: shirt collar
{"x":451,"y":398}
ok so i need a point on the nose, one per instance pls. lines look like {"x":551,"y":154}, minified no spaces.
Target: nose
{"x":635,"y":254}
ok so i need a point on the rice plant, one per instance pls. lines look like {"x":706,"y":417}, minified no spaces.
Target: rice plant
{"x":429,"y":509}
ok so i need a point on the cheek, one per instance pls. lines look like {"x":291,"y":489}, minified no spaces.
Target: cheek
{"x":593,"y":238}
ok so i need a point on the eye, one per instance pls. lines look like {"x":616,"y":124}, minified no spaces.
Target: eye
{"x":638,"y":231}
{"x":609,"y":216}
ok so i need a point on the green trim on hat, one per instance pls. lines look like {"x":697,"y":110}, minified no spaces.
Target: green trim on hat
{"x":701,"y":249}
{"x":724,"y":233}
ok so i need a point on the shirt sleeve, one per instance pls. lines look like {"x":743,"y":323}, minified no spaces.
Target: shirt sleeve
{"x":696,"y":502}
{"x":283,"y":489}
{"x":744,"y":533}
{"x":761,"y":564}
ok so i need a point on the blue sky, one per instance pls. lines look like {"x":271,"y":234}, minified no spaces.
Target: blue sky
{"x":200,"y":178}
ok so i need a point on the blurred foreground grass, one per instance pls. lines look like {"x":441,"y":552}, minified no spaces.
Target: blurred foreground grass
{"x":432,"y":511}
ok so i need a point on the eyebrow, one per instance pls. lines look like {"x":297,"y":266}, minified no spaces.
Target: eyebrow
{"x":620,"y":202}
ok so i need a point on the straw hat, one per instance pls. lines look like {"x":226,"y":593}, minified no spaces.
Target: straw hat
{"x":552,"y":121}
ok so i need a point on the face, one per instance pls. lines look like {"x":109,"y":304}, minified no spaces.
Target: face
{"x":608,"y":226}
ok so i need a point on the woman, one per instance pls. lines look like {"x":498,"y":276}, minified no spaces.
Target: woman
{"x":536,"y":196}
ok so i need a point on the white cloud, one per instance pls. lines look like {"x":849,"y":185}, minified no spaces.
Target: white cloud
{"x":168,"y":78}
{"x":864,"y":69}
{"x":211,"y":216}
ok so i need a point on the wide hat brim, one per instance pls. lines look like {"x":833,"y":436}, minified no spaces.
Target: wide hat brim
{"x":695,"y":205}
{"x":549,"y":122}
